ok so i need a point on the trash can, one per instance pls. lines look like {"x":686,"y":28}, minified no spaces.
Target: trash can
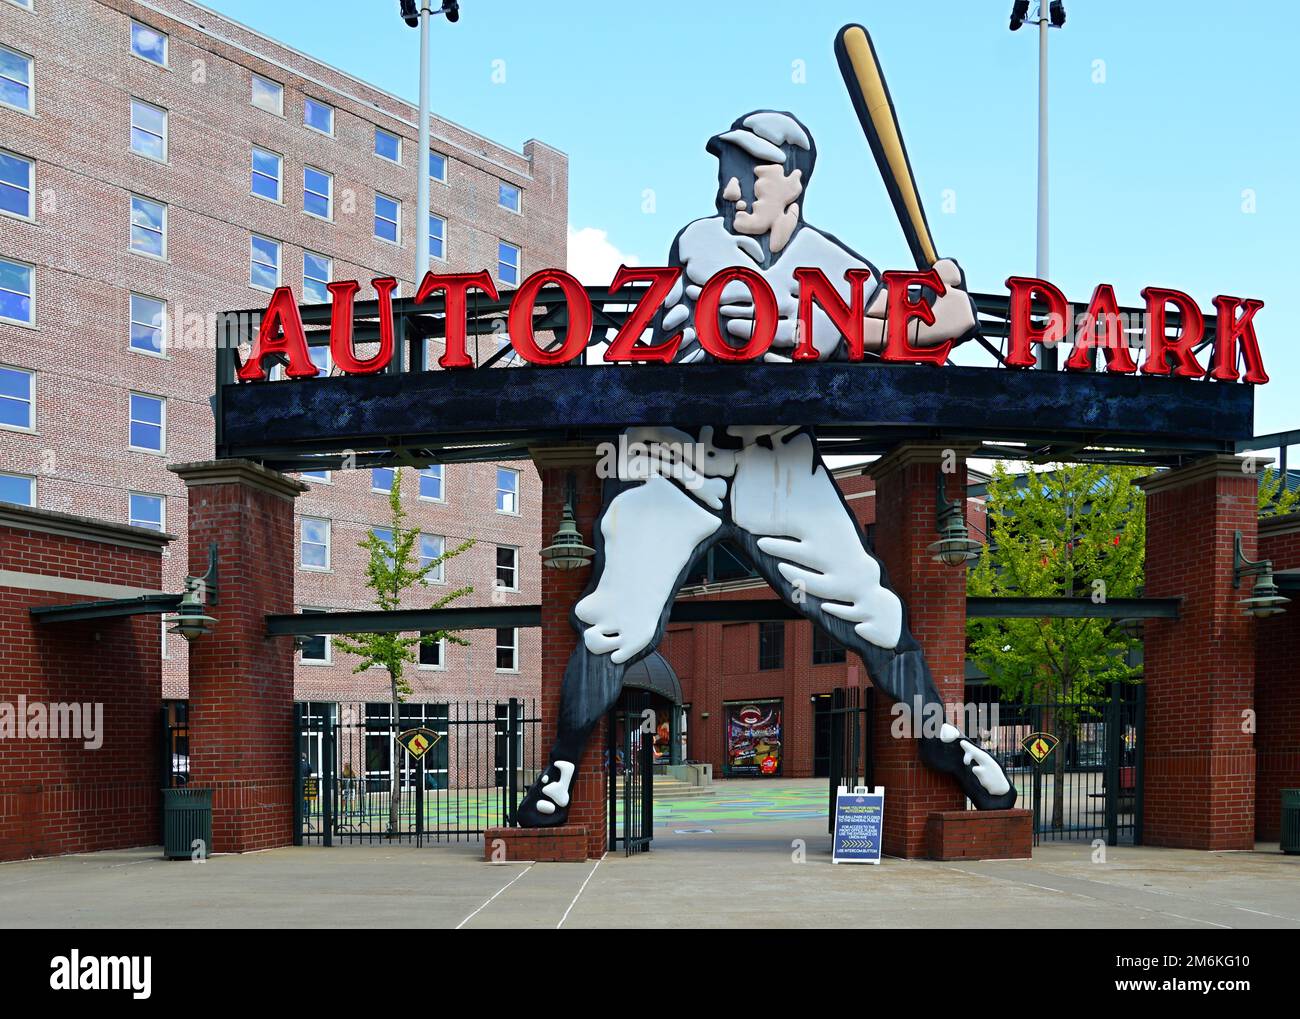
{"x":1291,"y":821}
{"x":187,"y":815}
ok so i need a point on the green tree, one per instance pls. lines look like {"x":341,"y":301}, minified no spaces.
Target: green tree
{"x":1274,"y":500}
{"x":392,"y":569}
{"x":1074,"y":530}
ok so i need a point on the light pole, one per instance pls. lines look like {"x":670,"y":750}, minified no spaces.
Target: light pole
{"x":417,"y":13}
{"x":1049,"y":16}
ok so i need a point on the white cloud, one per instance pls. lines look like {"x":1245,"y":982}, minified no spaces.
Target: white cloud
{"x":593,"y":259}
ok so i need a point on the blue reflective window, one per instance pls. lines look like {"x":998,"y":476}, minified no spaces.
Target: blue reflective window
{"x":17,"y":292}
{"x":148,"y":423}
{"x":149,"y":43}
{"x":16,"y":175}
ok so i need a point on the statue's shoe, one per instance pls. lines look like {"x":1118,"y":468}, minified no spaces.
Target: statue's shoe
{"x":980,"y":776}
{"x":547,"y":803}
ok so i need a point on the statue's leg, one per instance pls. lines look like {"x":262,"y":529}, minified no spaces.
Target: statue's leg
{"x":803,"y":539}
{"x":648,"y":537}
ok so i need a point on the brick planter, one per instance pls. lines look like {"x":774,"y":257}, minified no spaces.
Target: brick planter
{"x":566,"y":843}
{"x":979,"y":835}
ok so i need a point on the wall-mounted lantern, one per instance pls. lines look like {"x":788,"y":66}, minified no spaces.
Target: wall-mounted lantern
{"x":567,"y":551}
{"x":191,"y":619}
{"x":1265,"y":600}
{"x":955,"y":546}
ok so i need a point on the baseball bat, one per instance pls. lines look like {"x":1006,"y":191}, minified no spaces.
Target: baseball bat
{"x":866,"y":84}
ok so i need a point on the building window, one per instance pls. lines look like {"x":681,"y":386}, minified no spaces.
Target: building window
{"x":317,"y":193}
{"x":149,"y":44}
{"x":17,"y":182}
{"x":318,"y":116}
{"x":826,"y":650}
{"x":315,"y":553}
{"x":317,"y":649}
{"x":148,"y":227}
{"x":18,"y":489}
{"x":771,"y":645}
{"x":437,"y":237}
{"x":431,"y":483}
{"x":320,"y":477}
{"x":268,"y":95}
{"x":507,"y":490}
{"x":509,"y":258}
{"x":148,"y":324}
{"x":267,"y":167}
{"x":385,"y":535}
{"x":17,"y":292}
{"x":148,"y":511}
{"x":15,"y":80}
{"x":24,"y":4}
{"x":507,"y":649}
{"x":509,"y":196}
{"x":316,"y":273}
{"x":437,"y":167}
{"x":381,"y":479}
{"x":507,"y":568}
{"x":148,"y":130}
{"x":320,"y":357}
{"x":388,"y":218}
{"x":432,"y":547}
{"x":148,"y":425}
{"x":432,"y":653}
{"x":388,"y":145}
{"x":17,"y":399}
{"x":264,"y":263}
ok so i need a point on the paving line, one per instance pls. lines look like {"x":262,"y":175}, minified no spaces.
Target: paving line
{"x":1090,"y":898}
{"x":498,"y":892}
{"x":580,"y":891}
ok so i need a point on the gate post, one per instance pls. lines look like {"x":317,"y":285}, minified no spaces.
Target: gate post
{"x":242,"y":739}
{"x":561,"y":589}
{"x":935,"y":596}
{"x":1200,"y":667}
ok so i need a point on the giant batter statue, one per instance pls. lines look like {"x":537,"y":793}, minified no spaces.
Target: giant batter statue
{"x":763,"y":488}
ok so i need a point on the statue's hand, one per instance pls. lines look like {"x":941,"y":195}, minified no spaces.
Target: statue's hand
{"x":954,"y":311}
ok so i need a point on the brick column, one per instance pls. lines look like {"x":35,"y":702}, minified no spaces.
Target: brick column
{"x":935,"y":596}
{"x":1200,"y":668}
{"x":1277,"y":694}
{"x":241,"y":683}
{"x":560,"y":590}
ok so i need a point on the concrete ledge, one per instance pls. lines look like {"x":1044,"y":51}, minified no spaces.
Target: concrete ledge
{"x":566,"y":843}
{"x":69,"y":525}
{"x":979,"y":835}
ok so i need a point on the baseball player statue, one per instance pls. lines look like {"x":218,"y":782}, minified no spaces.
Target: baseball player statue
{"x":765,"y":489}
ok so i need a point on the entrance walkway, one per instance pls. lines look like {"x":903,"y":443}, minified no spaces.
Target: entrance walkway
{"x":745,"y":875}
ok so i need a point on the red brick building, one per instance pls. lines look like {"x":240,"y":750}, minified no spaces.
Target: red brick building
{"x":92,"y":784}
{"x":162,"y":162}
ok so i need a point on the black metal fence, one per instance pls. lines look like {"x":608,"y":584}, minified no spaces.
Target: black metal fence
{"x":357,"y":783}
{"x":631,"y":731}
{"x":852,"y":762}
{"x":1090,"y":786}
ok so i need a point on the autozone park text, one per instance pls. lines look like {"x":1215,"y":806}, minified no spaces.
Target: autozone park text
{"x":1038,"y":314}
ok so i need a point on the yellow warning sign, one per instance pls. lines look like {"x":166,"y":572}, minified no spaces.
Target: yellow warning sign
{"x":418,"y":742}
{"x":1039,"y":745}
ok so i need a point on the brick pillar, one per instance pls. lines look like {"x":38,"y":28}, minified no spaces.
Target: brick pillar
{"x":241,"y":727}
{"x":1200,"y":668}
{"x":935,"y":596}
{"x":560,"y":590}
{"x":1277,"y":694}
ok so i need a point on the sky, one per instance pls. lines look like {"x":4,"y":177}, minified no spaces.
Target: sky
{"x":1173,"y":141}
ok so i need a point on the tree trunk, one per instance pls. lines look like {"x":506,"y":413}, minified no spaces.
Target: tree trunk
{"x":395,"y":768}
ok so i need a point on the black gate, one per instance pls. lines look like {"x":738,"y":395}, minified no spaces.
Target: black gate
{"x":631,"y":726}
{"x":1089,"y":786}
{"x":174,"y":745}
{"x":849,"y":719}
{"x":357,"y":783}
